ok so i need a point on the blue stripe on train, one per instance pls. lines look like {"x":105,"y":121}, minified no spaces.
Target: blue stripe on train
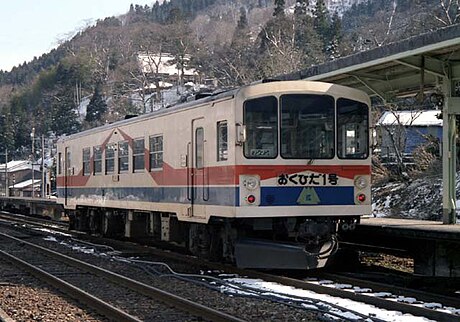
{"x":223,"y":196}
{"x":288,"y":196}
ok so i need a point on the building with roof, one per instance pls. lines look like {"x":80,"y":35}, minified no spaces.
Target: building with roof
{"x":163,"y":66}
{"x":14,"y":176}
{"x":407,"y":130}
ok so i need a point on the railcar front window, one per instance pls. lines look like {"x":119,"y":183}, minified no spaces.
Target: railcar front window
{"x":307,"y":126}
{"x":261,"y":120}
{"x":352,"y":129}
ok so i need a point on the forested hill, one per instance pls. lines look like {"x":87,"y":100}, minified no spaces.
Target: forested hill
{"x":231,"y":41}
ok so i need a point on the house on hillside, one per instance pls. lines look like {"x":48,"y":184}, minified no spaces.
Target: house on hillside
{"x":162,"y":66}
{"x":407,"y":130}
{"x":15,"y":174}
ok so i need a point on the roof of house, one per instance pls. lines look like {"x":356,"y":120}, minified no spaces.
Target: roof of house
{"x":164,"y":62}
{"x":19,"y":165}
{"x":411,"y":118}
{"x":26,"y":183}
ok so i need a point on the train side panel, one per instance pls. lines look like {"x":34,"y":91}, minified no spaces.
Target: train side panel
{"x":166,"y":189}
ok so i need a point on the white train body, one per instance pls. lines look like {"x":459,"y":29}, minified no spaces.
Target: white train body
{"x":242,"y":162}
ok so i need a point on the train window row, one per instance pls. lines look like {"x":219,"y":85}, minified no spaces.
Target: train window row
{"x":122,"y":147}
{"x":120,"y":152}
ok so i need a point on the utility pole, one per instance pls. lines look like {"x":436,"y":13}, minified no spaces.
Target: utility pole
{"x":43,"y":168}
{"x":32,"y":136}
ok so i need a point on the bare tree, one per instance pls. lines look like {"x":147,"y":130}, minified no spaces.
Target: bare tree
{"x":397,"y":134}
{"x":280,"y":52}
{"x":449,"y":13}
{"x":144,"y":50}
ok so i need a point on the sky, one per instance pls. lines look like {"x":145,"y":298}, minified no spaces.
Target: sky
{"x":31,"y":28}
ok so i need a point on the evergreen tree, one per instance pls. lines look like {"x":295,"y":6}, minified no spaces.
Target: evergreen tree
{"x":63,"y":116}
{"x":279,"y":8}
{"x":243,"y":21}
{"x":301,"y":7}
{"x":321,"y":22}
{"x":335,"y":37}
{"x":7,"y":124}
{"x":96,"y":107}
{"x":321,"y":18}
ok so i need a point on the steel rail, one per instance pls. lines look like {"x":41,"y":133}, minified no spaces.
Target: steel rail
{"x":378,"y":302}
{"x":380,"y":287}
{"x":4,"y":317}
{"x":100,"y":306}
{"x":34,"y":221}
{"x":147,"y":290}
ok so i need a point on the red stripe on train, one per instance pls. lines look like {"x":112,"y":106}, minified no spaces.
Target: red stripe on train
{"x":229,"y":175}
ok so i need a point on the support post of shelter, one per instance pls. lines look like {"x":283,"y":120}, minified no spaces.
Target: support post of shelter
{"x":7,"y":190}
{"x":449,"y":154}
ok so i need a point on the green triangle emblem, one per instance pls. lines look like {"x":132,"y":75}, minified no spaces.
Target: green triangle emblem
{"x":308,"y":196}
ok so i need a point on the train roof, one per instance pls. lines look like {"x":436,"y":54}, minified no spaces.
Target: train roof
{"x":162,"y":111}
{"x":191,"y":104}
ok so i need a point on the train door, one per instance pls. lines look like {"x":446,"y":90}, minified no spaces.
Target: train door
{"x":198,"y":190}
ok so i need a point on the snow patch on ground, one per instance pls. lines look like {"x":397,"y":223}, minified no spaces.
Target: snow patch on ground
{"x":417,"y":199}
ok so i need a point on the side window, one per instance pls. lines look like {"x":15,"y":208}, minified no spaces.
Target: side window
{"x":86,"y":161}
{"x":123,"y":156}
{"x":222,"y":141}
{"x":59,"y":163}
{"x":110,"y":159}
{"x":156,"y":152}
{"x":97,"y":162}
{"x":138,"y":155}
{"x":199,"y":148}
{"x":352,"y":129}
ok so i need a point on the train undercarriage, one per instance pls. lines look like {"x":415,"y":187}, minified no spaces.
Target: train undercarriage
{"x":271,"y":243}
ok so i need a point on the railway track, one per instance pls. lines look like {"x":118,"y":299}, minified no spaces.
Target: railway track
{"x":395,"y":298}
{"x":44,"y":223}
{"x":35,"y":259}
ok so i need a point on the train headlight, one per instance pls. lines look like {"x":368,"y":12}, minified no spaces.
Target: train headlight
{"x":251,"y":183}
{"x":361,"y":182}
{"x":249,"y":191}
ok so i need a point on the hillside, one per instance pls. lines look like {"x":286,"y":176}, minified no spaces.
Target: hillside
{"x":226,"y":42}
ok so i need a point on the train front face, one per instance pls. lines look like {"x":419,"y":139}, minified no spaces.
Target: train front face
{"x":305,"y":170}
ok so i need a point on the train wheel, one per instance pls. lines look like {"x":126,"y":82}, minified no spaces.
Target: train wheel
{"x":205,"y":241}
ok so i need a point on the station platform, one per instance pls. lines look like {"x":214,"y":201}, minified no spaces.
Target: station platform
{"x":46,"y":207}
{"x":416,"y":228}
{"x":434,"y":246}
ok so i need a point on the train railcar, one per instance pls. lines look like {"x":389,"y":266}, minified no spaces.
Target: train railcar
{"x":263,"y":176}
